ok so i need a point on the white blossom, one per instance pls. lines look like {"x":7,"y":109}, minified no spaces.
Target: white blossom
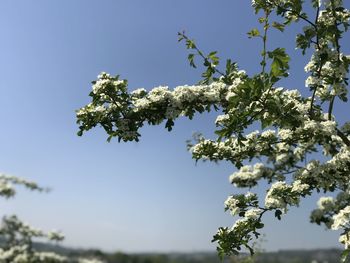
{"x":342,"y":218}
{"x":253,"y":213}
{"x":231,"y":204}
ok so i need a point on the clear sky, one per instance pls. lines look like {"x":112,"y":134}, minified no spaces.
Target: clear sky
{"x":134,"y":197}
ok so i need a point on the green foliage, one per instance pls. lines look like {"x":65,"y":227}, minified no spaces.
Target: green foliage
{"x":279,"y":65}
{"x":254,"y":33}
{"x":278,"y":26}
{"x":210,"y":61}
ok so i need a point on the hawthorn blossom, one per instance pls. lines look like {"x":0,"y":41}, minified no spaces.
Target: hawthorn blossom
{"x":295,"y":129}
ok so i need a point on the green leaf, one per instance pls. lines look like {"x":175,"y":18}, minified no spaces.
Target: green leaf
{"x":181,"y":36}
{"x":278,"y":214}
{"x":279,"y":65}
{"x":190,"y":44}
{"x":191,"y":60}
{"x":344,"y":255}
{"x":253,"y":33}
{"x":315,"y":3}
{"x":259,"y":225}
{"x":278,"y":26}
{"x":261,"y":20}
{"x":169,"y":124}
{"x":213,"y":53}
{"x":212,"y":56}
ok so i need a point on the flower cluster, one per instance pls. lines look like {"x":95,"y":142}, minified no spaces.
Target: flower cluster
{"x":122,"y":114}
{"x":238,"y":204}
{"x":345,"y":240}
{"x":247,"y":176}
{"x":20,"y":254}
{"x":281,"y":194}
{"x":328,"y":78}
{"x":17,"y":237}
{"x":7,"y":183}
{"x":341,"y":219}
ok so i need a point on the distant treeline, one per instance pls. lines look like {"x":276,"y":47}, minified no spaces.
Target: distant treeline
{"x":314,"y":256}
{"x":285,"y":256}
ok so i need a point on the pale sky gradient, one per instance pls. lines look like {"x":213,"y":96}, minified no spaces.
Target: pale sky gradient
{"x":134,"y":197}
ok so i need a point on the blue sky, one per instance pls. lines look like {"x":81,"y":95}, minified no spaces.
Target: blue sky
{"x":134,"y":197}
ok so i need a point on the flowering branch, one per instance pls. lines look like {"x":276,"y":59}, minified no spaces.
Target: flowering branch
{"x":293,"y":127}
